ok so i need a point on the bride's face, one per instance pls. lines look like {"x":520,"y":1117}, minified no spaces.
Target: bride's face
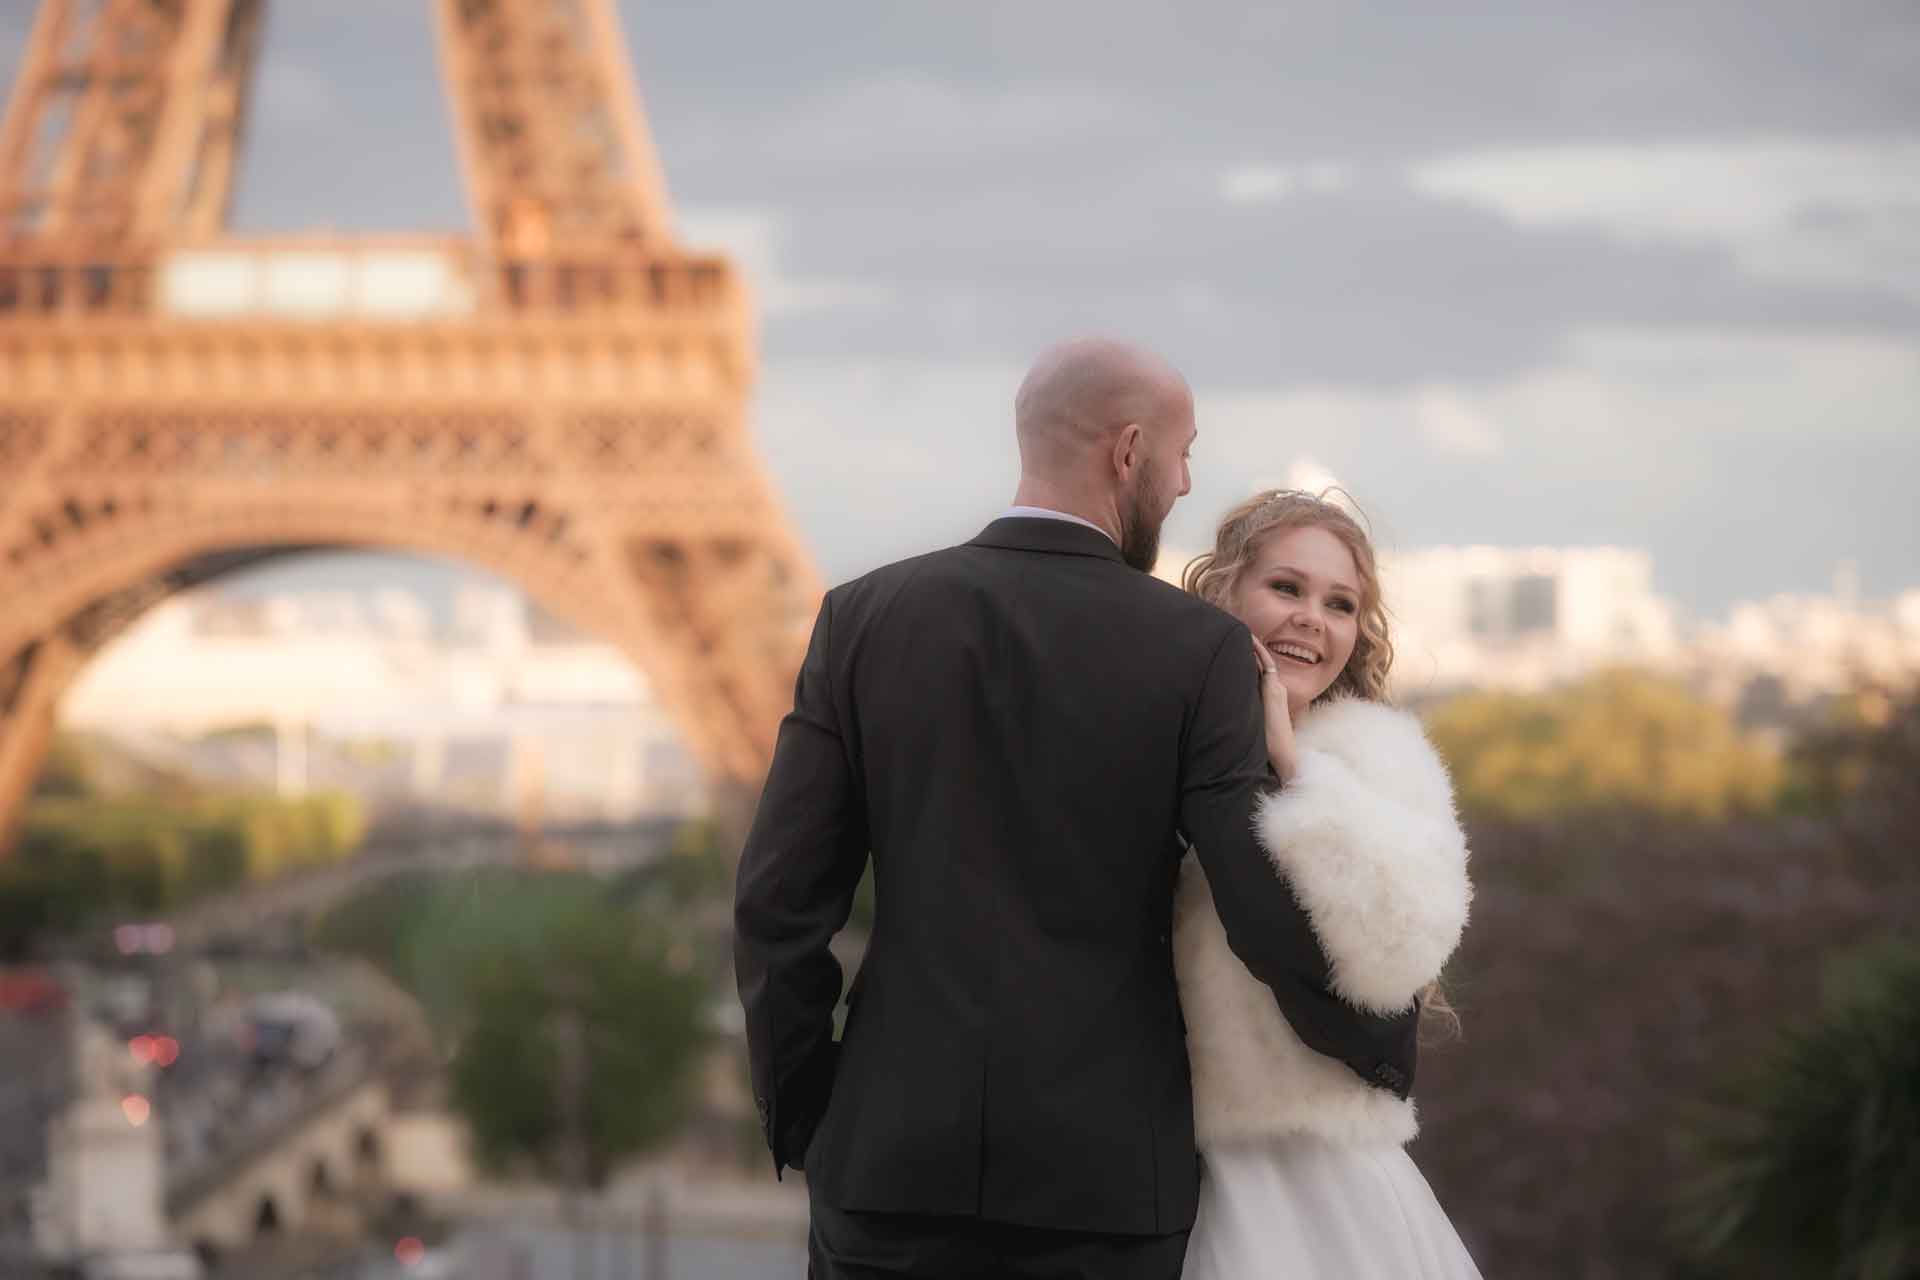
{"x":1301,"y":599}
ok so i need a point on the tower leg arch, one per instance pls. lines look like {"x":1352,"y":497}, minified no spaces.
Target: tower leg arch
{"x":675,"y":606}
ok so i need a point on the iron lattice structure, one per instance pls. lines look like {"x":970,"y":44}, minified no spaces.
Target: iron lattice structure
{"x":559,"y":397}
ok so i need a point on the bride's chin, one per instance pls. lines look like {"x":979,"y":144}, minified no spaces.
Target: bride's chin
{"x":1302,"y":688}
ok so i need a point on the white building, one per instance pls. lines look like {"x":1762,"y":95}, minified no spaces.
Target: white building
{"x":501,"y":702}
{"x":1522,"y":617}
{"x":1813,"y":644}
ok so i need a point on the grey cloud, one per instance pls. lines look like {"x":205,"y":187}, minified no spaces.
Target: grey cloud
{"x":991,"y":238}
{"x":360,"y":138}
{"x":13,"y":45}
{"x":1746,"y":464}
{"x":1731,"y":509}
{"x":934,"y":442}
{"x":1371,"y":284}
{"x":1727,"y":519}
{"x":350,"y":130}
{"x":1366,"y":78}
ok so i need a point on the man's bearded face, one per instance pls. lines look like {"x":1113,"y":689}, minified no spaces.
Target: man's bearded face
{"x":1140,"y":523}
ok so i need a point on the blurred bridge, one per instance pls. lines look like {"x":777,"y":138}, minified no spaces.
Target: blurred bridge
{"x":130,"y":1167}
{"x":304,"y":1152}
{"x":235,"y":1151}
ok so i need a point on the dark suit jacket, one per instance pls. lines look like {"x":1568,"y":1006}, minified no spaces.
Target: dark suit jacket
{"x":1018,"y":730}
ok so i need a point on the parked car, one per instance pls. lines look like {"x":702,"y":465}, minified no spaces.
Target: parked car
{"x":291,"y":1028}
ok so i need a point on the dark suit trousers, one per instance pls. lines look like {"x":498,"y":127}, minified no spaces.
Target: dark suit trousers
{"x":845,"y":1244}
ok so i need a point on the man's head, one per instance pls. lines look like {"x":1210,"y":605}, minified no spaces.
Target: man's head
{"x":1104,"y":432}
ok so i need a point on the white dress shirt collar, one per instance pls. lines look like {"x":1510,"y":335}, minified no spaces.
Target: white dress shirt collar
{"x":1048,"y":513}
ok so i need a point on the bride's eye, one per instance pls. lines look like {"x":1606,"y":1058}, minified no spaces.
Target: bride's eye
{"x":1287,"y":587}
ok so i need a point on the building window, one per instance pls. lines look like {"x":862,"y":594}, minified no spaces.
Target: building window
{"x":1534,"y":604}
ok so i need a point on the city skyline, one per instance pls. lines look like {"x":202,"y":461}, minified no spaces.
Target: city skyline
{"x":451,"y":687}
{"x":1463,"y":617}
{"x":1631,"y":280}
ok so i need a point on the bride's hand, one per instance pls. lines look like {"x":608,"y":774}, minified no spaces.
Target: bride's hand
{"x":1273,"y":699}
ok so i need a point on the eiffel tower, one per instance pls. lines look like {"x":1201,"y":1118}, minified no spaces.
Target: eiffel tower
{"x":558,"y":397}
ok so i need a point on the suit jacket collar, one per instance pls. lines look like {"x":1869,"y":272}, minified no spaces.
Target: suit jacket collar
{"x":1056,"y":537}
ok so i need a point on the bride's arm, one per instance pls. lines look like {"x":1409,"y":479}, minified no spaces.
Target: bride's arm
{"x":1224,"y":774}
{"x":1365,"y":832}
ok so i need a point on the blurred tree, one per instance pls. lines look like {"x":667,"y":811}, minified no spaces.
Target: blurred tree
{"x":1861,"y":761}
{"x":463,"y":923}
{"x":1617,"y":739}
{"x":696,"y":870}
{"x":83,"y":854}
{"x":90,"y":764}
{"x":579,"y":1042}
{"x":49,"y":886}
{"x":377,"y":924}
{"x":67,"y":770}
{"x":1811,"y":1167}
{"x":1616,"y":964}
{"x":574,"y":1016}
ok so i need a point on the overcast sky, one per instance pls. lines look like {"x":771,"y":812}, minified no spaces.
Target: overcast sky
{"x":1554,"y":273}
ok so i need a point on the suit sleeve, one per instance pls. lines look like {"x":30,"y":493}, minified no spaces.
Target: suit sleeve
{"x":798,"y":873}
{"x":1224,"y":777}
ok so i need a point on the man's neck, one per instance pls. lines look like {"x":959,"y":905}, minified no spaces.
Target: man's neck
{"x":1048,"y":513}
{"x":1063,"y":505}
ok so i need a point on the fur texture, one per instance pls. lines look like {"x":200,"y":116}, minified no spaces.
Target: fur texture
{"x":1367,"y":837}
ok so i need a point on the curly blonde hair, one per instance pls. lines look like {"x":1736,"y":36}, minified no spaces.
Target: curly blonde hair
{"x":1215,"y":577}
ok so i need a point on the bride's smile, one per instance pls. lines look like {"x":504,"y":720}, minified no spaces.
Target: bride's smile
{"x":1299,"y":599}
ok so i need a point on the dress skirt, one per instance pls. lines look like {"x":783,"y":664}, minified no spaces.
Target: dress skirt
{"x":1303,"y":1208}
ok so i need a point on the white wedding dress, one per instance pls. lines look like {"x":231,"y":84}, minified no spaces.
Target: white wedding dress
{"x":1305,"y":1175}
{"x":1306,"y":1208}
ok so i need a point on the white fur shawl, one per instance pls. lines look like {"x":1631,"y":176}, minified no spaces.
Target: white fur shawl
{"x":1367,"y":838}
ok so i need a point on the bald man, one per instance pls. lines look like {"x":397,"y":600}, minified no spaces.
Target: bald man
{"x":1019,"y":733}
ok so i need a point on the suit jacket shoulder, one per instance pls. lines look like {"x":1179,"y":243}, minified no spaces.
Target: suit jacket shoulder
{"x":1191,"y":627}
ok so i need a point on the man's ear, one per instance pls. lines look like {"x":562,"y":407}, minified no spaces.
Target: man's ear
{"x":1127,"y":449}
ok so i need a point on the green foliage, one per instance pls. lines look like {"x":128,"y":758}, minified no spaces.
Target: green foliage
{"x":1616,"y":966}
{"x":508,"y":965}
{"x":286,"y":835}
{"x":471,"y":921}
{"x":68,"y":769}
{"x":377,"y":924}
{"x":696,"y":869}
{"x":582,"y":973}
{"x":1828,"y":761}
{"x":1619,"y":739}
{"x":50,"y":885}
{"x":429,"y":932}
{"x":1811,"y":1167}
{"x":82,"y":854}
{"x":86,"y":764}
{"x":1861,"y":764}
